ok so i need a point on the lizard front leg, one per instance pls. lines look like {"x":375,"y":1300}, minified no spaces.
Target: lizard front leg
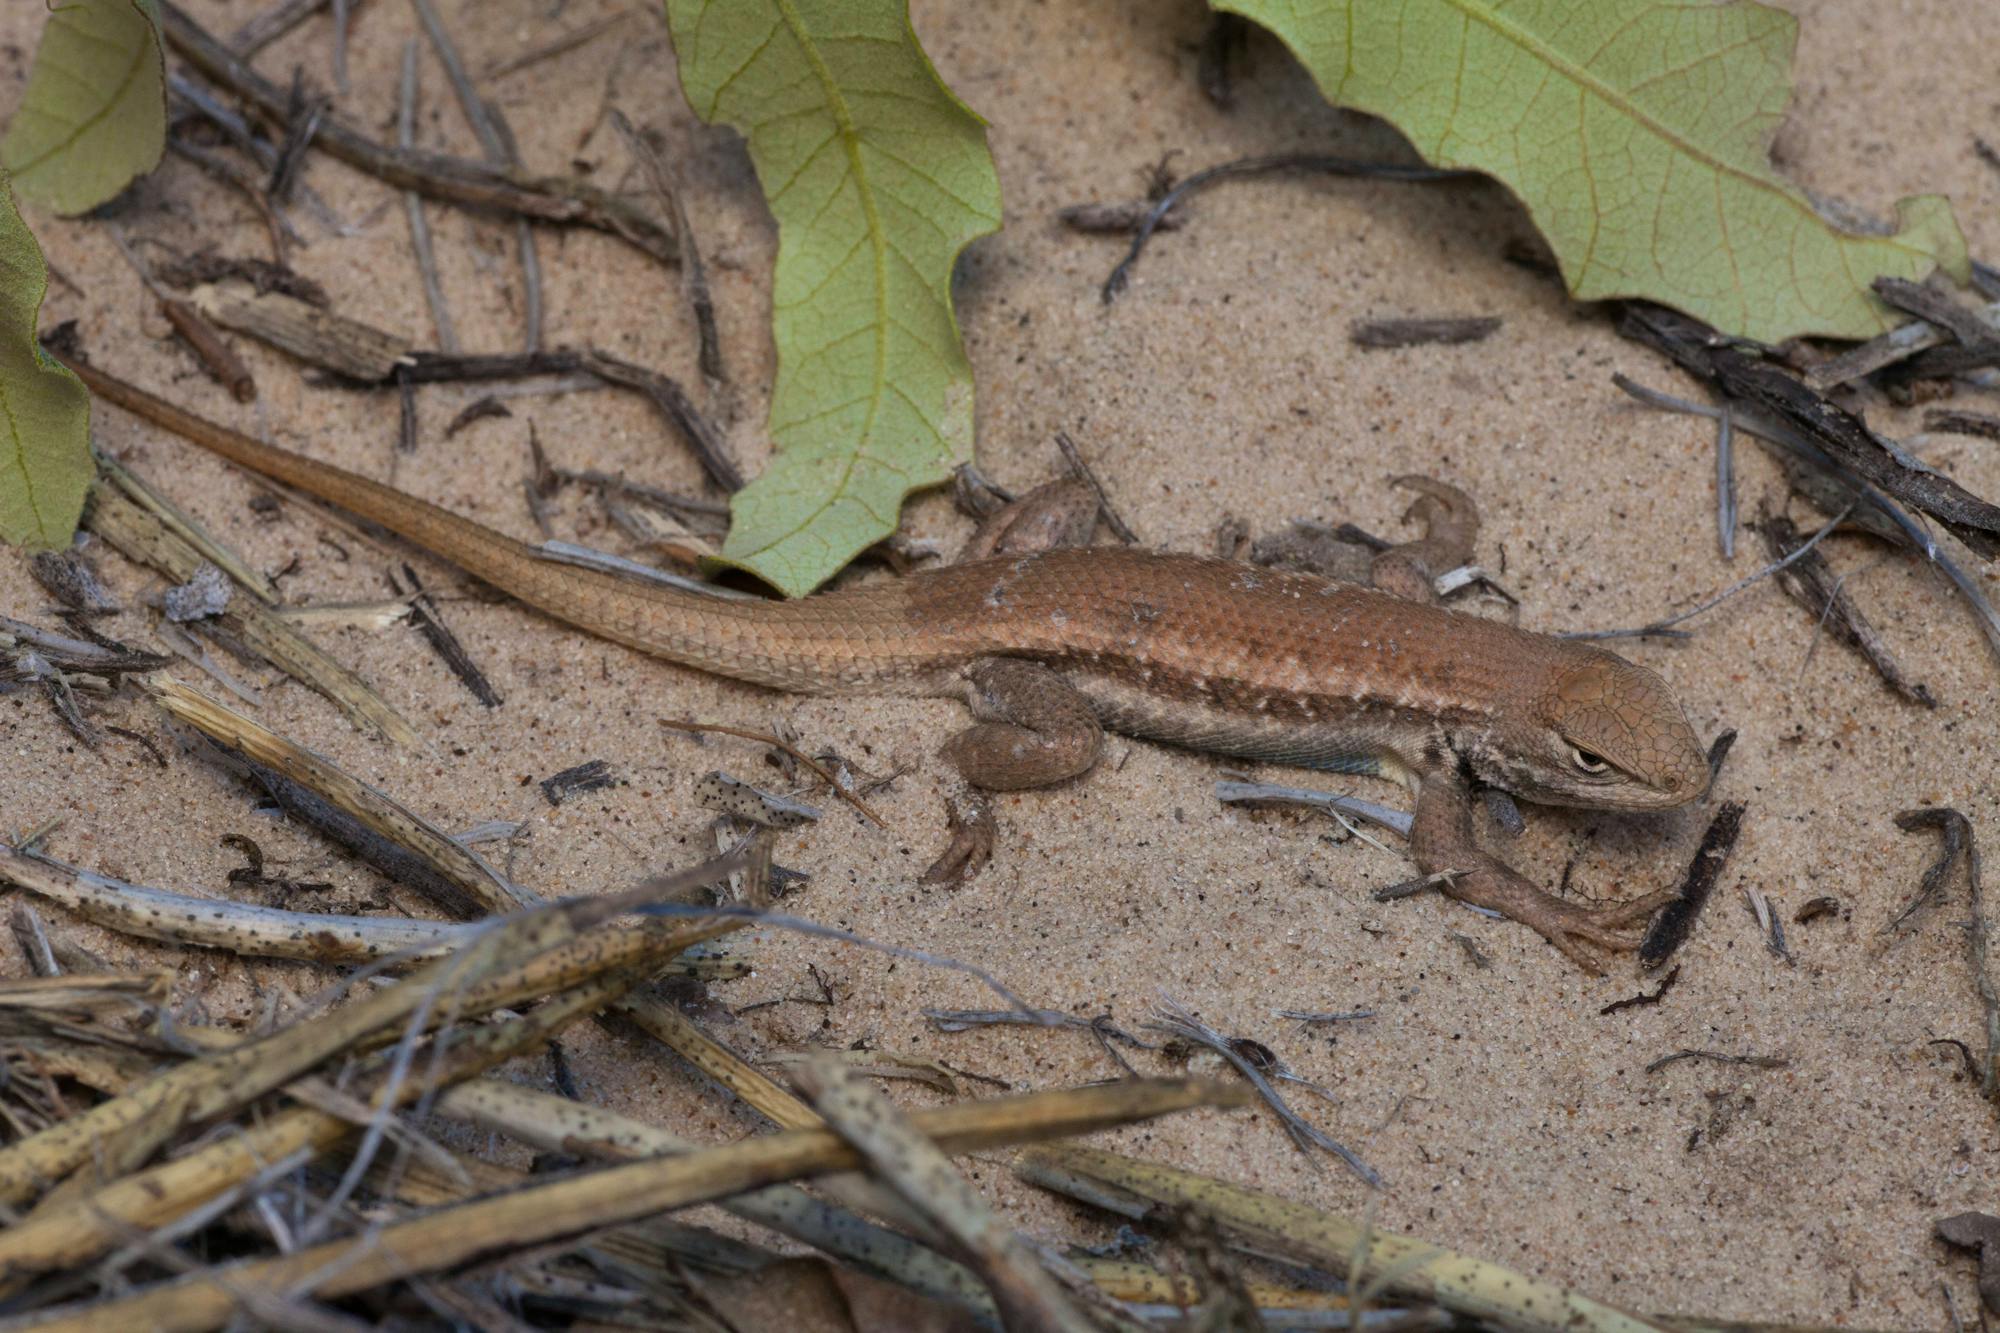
{"x":1441,"y":841}
{"x":1056,"y":513}
{"x":1451,"y":526}
{"x":1034,"y":730}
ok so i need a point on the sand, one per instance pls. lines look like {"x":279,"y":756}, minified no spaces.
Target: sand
{"x":1509,"y":1117}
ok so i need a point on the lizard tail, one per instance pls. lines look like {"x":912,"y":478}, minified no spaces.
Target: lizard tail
{"x":765,"y":643}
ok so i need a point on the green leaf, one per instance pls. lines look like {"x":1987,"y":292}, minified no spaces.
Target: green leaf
{"x":1637,"y":134}
{"x":45,"y":464}
{"x":878,"y":177}
{"x":94,"y":117}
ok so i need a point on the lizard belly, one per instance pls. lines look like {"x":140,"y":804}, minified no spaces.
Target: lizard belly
{"x":1348,"y":743}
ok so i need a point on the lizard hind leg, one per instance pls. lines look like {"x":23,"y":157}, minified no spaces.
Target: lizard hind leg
{"x":1032,"y":730}
{"x":1451,"y":526}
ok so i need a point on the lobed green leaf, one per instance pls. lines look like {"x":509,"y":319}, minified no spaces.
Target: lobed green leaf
{"x":878,"y":177}
{"x":94,"y":116}
{"x":45,"y":463}
{"x":1637,"y":133}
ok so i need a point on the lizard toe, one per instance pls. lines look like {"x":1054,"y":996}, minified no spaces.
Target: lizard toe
{"x":973,"y":833}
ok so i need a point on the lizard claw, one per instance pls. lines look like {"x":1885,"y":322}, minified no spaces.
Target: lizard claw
{"x":973,"y":832}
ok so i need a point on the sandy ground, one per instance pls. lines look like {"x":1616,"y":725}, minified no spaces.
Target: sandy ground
{"x":1509,"y":1118}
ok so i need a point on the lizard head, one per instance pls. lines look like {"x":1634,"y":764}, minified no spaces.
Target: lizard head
{"x":1611,"y":735}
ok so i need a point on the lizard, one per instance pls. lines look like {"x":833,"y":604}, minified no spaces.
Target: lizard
{"x":1053,"y":645}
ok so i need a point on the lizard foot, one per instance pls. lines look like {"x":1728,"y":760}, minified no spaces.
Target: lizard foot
{"x":1567,"y":925}
{"x":1441,"y":840}
{"x":973,"y":831}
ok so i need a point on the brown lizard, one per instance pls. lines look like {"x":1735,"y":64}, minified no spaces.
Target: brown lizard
{"x":1053,"y":646}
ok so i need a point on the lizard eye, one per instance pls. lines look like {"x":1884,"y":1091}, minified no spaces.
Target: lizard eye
{"x":1588,"y":762}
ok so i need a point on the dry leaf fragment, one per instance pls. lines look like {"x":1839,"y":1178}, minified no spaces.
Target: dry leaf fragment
{"x":732,"y":796}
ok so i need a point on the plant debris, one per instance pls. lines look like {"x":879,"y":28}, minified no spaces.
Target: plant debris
{"x":1959,"y":841}
{"x":1645,"y":1000}
{"x":594,"y":775}
{"x":718,"y":791}
{"x":423,"y":614}
{"x":1813,"y":586}
{"x":1398,"y":333}
{"x":1957,"y":421}
{"x":1676,"y":922}
{"x":1979,"y":1232}
{"x":1254,"y":1061}
{"x":1720,"y":1057}
{"x":1755,"y":387}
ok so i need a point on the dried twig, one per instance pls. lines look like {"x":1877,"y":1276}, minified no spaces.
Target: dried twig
{"x":316,"y":335}
{"x":413,"y":207}
{"x":1223,"y":42}
{"x":242,"y":928}
{"x":557,"y":1124}
{"x":1965,"y":325}
{"x":301,"y":121}
{"x":594,"y":775}
{"x":283,"y":234}
{"x":1398,"y":333}
{"x":1725,"y":482}
{"x":1959,"y":840}
{"x":259,"y":149}
{"x":674,"y":404}
{"x":922,"y":1176}
{"x":1176,"y":1020}
{"x":1672,"y":927}
{"x":1750,"y":385}
{"x":273,"y":23}
{"x":1812,"y":585}
{"x":1100,"y":1027}
{"x":1644,"y":999}
{"x":1665,"y":626}
{"x":1371,"y":1260}
{"x":499,"y":151}
{"x":351,"y":810}
{"x":562,"y":45}
{"x":424,"y":616}
{"x":1251,"y":166}
{"x":1957,"y":831}
{"x":694,"y":275}
{"x":1821,"y":476}
{"x":574,"y":1205}
{"x":663,"y":391}
{"x":1121,"y":218}
{"x":234,"y":1072}
{"x":142,"y":537}
{"x":1957,"y":421}
{"x":1270,"y":793}
{"x":543,"y":199}
{"x":799,"y":756}
{"x":1720,"y":1057}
